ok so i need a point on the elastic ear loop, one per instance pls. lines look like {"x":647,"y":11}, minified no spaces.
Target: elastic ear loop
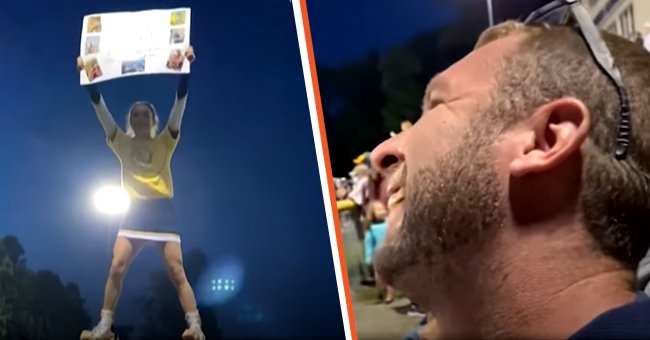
{"x":605,"y":61}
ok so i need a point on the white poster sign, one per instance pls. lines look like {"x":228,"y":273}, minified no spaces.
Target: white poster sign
{"x":122,"y":44}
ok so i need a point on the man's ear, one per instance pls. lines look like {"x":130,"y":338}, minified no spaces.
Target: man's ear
{"x":557,"y":130}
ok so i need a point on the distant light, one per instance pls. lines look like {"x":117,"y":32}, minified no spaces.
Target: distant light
{"x":223,"y":284}
{"x":111,"y":200}
{"x":217,"y":285}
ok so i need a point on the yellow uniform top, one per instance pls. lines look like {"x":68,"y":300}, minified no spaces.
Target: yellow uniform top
{"x":146,"y":164}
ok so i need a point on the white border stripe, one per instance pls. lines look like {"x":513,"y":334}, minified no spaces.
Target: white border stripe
{"x":142,"y":235}
{"x":302,"y":42}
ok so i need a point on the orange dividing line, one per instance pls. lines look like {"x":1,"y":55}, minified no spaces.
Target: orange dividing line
{"x":328,"y":167}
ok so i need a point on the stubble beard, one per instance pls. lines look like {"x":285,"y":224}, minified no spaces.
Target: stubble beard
{"x":450,"y":209}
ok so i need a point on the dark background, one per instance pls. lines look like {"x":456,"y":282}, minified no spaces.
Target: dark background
{"x":375,"y":57}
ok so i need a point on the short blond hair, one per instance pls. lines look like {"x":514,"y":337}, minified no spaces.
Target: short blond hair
{"x":552,"y":62}
{"x":502,"y":30}
{"x":506,"y":29}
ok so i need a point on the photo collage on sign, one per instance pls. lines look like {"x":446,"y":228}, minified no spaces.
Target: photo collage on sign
{"x":133,"y":66}
{"x":177,"y":21}
{"x":92,"y":47}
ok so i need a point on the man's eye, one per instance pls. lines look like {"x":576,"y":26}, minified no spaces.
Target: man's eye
{"x":434,"y":103}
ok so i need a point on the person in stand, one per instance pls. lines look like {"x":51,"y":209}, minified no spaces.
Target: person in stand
{"x":373,"y":239}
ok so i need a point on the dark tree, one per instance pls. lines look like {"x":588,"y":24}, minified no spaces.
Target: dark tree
{"x":352,"y":101}
{"x":399,"y":69}
{"x":36,"y":305}
{"x":13,"y":249}
{"x":364,"y":100}
{"x":124,"y":332}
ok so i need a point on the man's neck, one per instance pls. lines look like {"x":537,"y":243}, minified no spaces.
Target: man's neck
{"x":534,"y":290}
{"x":561,"y":314}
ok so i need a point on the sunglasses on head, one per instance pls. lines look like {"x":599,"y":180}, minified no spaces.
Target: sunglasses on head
{"x":572,"y":13}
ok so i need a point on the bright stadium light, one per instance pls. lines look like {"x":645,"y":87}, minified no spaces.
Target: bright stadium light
{"x":111,"y":200}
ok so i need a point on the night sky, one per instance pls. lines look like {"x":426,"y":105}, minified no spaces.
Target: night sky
{"x":245,"y":172}
{"x":345,"y":30}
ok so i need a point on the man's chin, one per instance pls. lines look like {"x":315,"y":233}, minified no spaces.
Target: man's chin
{"x":401,"y":271}
{"x":391,"y":264}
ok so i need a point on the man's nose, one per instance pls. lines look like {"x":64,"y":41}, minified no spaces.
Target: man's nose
{"x":388,"y":153}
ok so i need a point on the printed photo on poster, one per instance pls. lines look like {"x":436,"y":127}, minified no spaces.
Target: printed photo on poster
{"x":133,"y":66}
{"x":176,"y":36}
{"x":92,"y":44}
{"x":92,"y":69}
{"x":94,"y":24}
{"x":177,"y":18}
{"x":176,"y":60}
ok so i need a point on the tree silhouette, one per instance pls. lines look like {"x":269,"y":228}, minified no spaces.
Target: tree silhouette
{"x":399,"y":71}
{"x":36,"y":305}
{"x":124,"y":331}
{"x":7,"y":292}
{"x":364,"y":100}
{"x":13,"y":250}
{"x":352,"y":102}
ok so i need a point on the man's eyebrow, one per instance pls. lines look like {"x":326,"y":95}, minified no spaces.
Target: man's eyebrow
{"x":431,"y":93}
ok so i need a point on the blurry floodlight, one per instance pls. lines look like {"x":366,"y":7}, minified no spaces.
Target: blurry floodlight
{"x":111,"y":200}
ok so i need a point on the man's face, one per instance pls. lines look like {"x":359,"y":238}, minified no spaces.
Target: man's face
{"x":452,"y":185}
